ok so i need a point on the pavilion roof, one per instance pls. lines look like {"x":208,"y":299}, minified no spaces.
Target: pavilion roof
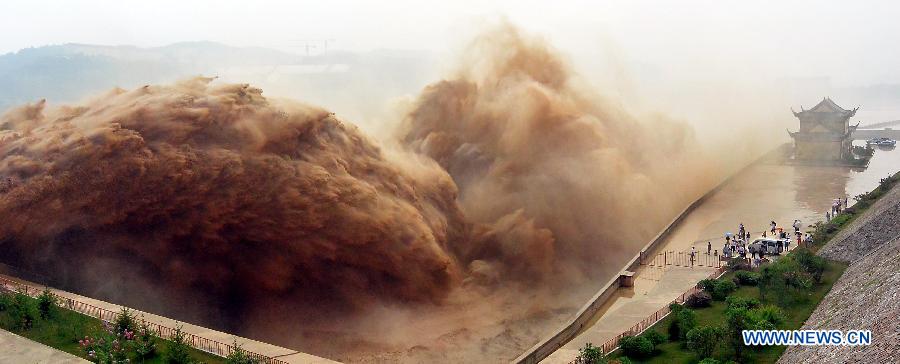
{"x":827,"y":106}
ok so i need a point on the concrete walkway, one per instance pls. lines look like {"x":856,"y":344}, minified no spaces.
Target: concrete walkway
{"x":284,"y":354}
{"x":17,"y":349}
{"x":654,"y":289}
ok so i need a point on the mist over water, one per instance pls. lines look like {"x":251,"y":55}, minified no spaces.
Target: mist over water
{"x":510,"y":192}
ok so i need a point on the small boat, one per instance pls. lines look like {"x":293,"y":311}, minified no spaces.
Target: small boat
{"x":882,"y":142}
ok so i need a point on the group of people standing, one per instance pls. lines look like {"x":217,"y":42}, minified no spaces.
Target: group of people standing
{"x":837,"y":206}
{"x":739,"y":245}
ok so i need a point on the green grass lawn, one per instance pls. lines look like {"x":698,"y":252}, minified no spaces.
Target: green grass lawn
{"x":796,"y":314}
{"x":65,"y":329}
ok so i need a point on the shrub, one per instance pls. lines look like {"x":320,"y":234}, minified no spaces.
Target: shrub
{"x":6,"y":300}
{"x":636,"y":347}
{"x":708,"y":361}
{"x":707,"y":284}
{"x":813,"y":264}
{"x":746,"y":278}
{"x":239,"y":356}
{"x":741,"y":302}
{"x":738,"y":264}
{"x":799,"y":279}
{"x":655,"y":337}
{"x":47,"y":305}
{"x":23,"y":312}
{"x":768,"y":313}
{"x":722,"y":289}
{"x":699,"y":299}
{"x":623,"y":360}
{"x":704,"y":340}
{"x":178,"y":349}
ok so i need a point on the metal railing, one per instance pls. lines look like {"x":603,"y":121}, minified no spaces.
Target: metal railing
{"x":612,"y":344}
{"x":197,"y":342}
{"x":682,"y":259}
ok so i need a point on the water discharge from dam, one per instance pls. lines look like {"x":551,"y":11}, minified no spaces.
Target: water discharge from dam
{"x":509,"y":190}
{"x":510,"y":193}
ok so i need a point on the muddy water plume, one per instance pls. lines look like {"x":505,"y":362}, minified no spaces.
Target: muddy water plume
{"x":510,"y":192}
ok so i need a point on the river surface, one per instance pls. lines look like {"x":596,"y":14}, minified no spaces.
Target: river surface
{"x":780,"y":193}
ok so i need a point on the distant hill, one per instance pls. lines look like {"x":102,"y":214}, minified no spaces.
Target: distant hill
{"x":355,"y":83}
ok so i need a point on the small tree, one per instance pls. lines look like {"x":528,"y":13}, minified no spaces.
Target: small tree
{"x":239,"y":356}
{"x":126,"y":321}
{"x":144,"y":344}
{"x":687,"y":321}
{"x":736,"y":321}
{"x":704,"y":340}
{"x":47,"y":304}
{"x":590,"y":354}
{"x":178,"y":351}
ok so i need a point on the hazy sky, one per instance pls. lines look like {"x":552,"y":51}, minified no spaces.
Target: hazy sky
{"x":853,"y":43}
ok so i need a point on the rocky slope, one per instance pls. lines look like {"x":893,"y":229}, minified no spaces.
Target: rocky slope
{"x":867,"y":296}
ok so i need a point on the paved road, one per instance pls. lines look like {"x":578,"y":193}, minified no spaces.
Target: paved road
{"x":17,"y":349}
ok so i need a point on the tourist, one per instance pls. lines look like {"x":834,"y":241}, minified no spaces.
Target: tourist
{"x":808,"y":239}
{"x":772,"y":225}
{"x":708,"y":247}
{"x":764,"y":234}
{"x":741,"y":230}
{"x":845,"y":202}
{"x":797,"y":225}
{"x":827,"y":216}
{"x":693,"y":253}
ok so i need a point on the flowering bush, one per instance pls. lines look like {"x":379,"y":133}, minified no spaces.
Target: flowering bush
{"x":107,"y":346}
{"x":119,"y":342}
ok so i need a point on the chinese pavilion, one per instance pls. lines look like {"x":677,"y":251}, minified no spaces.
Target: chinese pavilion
{"x":824,"y":132}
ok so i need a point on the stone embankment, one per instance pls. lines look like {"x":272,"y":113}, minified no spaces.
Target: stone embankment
{"x":867,"y":296}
